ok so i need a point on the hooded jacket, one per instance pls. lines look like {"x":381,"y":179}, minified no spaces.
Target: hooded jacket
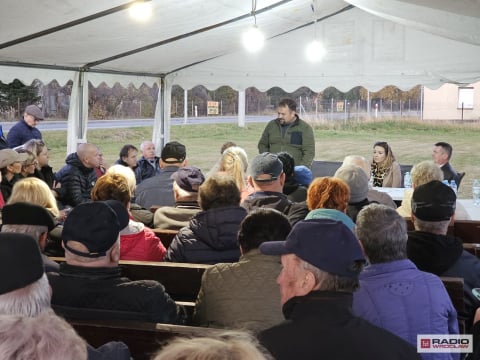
{"x":77,"y":181}
{"x":210,"y":237}
{"x":320,"y":325}
{"x":420,"y":302}
{"x":278,"y":201}
{"x":443,"y":255}
{"x":138,"y":242}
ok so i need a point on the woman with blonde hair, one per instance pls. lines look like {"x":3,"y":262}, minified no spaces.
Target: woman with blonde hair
{"x":385,"y":169}
{"x":34,"y":191}
{"x":233,"y":345}
{"x":234,"y":162}
{"x":43,"y":171}
{"x":136,"y":211}
{"x":327,"y":198}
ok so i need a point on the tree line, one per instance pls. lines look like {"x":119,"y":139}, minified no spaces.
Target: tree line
{"x":118,"y":102}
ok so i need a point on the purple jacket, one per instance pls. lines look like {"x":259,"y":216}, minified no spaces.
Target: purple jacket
{"x":400,"y":298}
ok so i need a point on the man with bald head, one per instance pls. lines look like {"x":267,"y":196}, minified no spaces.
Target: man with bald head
{"x":78,"y":176}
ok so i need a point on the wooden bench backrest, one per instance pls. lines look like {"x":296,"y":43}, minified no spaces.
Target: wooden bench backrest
{"x":166,"y":236}
{"x":143,"y":339}
{"x":454,"y":287}
{"x":182,"y":281}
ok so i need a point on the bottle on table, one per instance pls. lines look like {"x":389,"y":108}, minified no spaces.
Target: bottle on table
{"x":407,"y":180}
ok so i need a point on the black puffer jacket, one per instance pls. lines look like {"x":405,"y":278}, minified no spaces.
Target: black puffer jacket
{"x":77,"y":181}
{"x":210,"y":237}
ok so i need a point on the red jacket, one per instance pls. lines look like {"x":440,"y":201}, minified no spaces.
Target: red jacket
{"x":138,"y":242}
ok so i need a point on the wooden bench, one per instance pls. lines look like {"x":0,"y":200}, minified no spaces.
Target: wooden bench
{"x":454,"y":287}
{"x":142,"y":338}
{"x":182,"y":281}
{"x":166,"y":236}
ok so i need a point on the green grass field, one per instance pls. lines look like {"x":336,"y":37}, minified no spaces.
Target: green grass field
{"x":411,"y":142}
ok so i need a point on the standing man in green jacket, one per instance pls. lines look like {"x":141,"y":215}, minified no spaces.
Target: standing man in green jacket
{"x":289,"y":133}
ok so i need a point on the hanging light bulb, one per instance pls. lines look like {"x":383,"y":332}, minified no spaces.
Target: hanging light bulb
{"x":141,"y":11}
{"x":253,"y":39}
{"x":315,"y":51}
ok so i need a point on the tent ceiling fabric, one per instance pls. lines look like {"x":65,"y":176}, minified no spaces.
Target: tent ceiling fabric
{"x":196,"y":42}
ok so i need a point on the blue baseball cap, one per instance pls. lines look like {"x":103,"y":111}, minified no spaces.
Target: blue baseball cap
{"x":324,"y":243}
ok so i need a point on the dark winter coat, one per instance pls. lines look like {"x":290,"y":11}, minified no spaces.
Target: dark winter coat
{"x":210,"y":238}
{"x":321,"y":325}
{"x":443,"y":255}
{"x":77,"y":181}
{"x":278,"y":201}
{"x":21,"y":132}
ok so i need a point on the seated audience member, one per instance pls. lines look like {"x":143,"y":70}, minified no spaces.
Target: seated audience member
{"x":211,"y":235}
{"x":234,"y":162}
{"x":10,"y":167}
{"x":35,"y":191}
{"x":43,"y":171}
{"x":373,"y":195}
{"x":27,"y":294}
{"x":90,"y":278}
{"x":385,"y":169}
{"x":321,"y":262}
{"x":421,"y":173}
{"x":441,"y":154}
{"x":226,"y":145}
{"x":101,"y":169}
{"x":136,"y":211}
{"x":33,"y":220}
{"x":357,"y":182}
{"x":157,"y":190}
{"x":327,"y":198}
{"x":29,"y":165}
{"x":294,"y":191}
{"x":78,"y":175}
{"x":185,"y":192}
{"x":128,"y":156}
{"x":303,"y":175}
{"x":267,"y":178}
{"x":244,"y":295}
{"x":432,"y":250}
{"x":26,"y":128}
{"x":419,"y":299}
{"x":230,"y":345}
{"x":148,"y":165}
{"x":43,"y":337}
{"x":137,"y":242}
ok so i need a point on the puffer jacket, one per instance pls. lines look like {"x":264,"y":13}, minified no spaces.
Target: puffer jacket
{"x":77,"y":181}
{"x":210,"y":237}
{"x":138,"y":242}
{"x":241,"y":295}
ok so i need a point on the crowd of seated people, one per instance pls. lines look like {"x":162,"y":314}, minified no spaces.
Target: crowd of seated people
{"x":96,"y":216}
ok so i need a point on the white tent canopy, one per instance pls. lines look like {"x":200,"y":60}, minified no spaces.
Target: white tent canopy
{"x":371,"y":43}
